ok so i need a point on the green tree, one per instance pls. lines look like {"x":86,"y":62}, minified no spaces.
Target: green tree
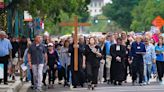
{"x":120,"y":12}
{"x":145,"y":12}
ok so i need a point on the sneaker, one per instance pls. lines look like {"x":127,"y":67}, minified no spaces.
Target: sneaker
{"x":145,"y":83}
{"x":148,"y":82}
{"x":161,"y":82}
{"x":71,"y":87}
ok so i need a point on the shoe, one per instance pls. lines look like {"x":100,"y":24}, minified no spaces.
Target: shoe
{"x":108,"y":81}
{"x":0,"y":81}
{"x":141,"y":84}
{"x":93,"y":86}
{"x":82,"y":85}
{"x":13,"y":78}
{"x":21,"y":79}
{"x":44,"y":83}
{"x":148,"y":82}
{"x":133,"y":83}
{"x":59,"y":82}
{"x":71,"y":87}
{"x":26,"y":79}
{"x":89,"y":86}
{"x":66,"y":84}
{"x":161,"y":82}
{"x":119,"y":83}
{"x":74,"y":86}
{"x":5,"y":83}
{"x":145,"y":83}
{"x":115,"y":83}
{"x":32,"y":87}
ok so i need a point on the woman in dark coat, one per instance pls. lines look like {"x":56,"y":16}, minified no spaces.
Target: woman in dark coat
{"x":92,"y":58}
{"x":118,"y":52}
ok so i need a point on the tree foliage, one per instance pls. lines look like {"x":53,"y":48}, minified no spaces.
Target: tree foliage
{"x":120,"y":12}
{"x":53,"y":8}
{"x":145,"y":12}
{"x":53,"y":11}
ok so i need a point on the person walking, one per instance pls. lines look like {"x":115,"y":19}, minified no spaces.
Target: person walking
{"x":65,"y":58}
{"x":109,"y":41}
{"x":160,"y":59}
{"x":137,"y":51}
{"x":118,"y":52}
{"x":92,"y":59}
{"x":5,"y":54}
{"x":149,"y":59}
{"x":37,"y":55}
{"x":52,"y":64}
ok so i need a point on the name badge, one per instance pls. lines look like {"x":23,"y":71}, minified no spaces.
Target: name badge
{"x":118,"y":48}
{"x":138,"y":47}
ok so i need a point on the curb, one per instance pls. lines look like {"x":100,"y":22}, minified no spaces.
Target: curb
{"x":15,"y":87}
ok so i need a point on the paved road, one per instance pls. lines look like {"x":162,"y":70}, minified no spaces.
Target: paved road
{"x":154,"y":87}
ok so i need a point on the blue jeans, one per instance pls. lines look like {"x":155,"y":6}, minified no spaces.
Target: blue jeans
{"x":147,"y":72}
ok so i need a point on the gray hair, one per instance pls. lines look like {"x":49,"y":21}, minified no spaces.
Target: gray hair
{"x":2,"y":32}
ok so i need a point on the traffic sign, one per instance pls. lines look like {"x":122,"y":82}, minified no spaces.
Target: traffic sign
{"x":158,"y":22}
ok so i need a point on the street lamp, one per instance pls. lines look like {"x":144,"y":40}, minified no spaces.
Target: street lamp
{"x":109,"y":21}
{"x":96,"y":21}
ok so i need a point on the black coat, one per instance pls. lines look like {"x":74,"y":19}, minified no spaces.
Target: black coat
{"x":117,"y":68}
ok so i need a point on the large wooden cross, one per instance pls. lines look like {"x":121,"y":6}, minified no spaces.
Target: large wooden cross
{"x":75,"y":24}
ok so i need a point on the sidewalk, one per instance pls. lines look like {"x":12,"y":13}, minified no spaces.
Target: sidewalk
{"x":12,"y":86}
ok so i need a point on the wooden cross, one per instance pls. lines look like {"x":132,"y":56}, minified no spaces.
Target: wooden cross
{"x":75,"y":24}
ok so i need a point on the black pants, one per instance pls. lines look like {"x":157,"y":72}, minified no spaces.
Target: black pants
{"x":137,"y":68}
{"x":51,"y":74}
{"x":32,"y":81}
{"x":160,"y":69}
{"x":4,"y":61}
{"x":62,"y":74}
{"x":92,"y":73}
{"x":105,"y":72}
{"x":78,"y":77}
{"x":127,"y":67}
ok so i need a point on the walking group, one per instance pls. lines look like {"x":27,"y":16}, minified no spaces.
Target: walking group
{"x":108,"y":58}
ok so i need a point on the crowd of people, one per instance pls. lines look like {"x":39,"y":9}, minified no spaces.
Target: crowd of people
{"x":108,"y":58}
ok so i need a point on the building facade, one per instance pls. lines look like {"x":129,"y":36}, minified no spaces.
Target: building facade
{"x":95,"y":7}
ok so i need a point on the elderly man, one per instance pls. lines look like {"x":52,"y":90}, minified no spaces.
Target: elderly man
{"x":137,"y":51}
{"x":5,"y":54}
{"x":36,"y":57}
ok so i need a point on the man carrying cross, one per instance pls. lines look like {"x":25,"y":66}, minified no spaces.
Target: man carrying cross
{"x":78,"y":77}
{"x":76,"y":50}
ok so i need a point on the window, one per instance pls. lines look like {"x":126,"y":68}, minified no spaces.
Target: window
{"x":100,"y":4}
{"x":91,"y":5}
{"x":95,"y":4}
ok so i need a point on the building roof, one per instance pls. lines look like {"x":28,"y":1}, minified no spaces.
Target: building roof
{"x":97,"y":0}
